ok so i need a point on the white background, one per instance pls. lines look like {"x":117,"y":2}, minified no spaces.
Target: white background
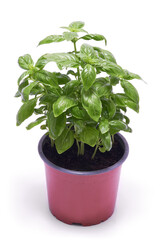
{"x":133,"y":34}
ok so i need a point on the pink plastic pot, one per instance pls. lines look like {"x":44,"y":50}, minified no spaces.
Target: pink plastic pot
{"x":84,"y":198}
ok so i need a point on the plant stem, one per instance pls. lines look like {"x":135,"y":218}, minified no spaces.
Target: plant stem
{"x":69,"y":127}
{"x":95,"y":150}
{"x":52,"y":143}
{"x":75,"y":50}
{"x":82,"y":149}
{"x":78,"y":147}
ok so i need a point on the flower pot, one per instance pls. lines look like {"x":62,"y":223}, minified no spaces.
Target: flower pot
{"x":84,"y":198}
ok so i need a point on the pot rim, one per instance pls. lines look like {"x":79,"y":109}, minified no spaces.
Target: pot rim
{"x":122,"y":141}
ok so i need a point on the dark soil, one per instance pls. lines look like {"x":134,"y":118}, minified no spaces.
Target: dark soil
{"x":70,"y":160}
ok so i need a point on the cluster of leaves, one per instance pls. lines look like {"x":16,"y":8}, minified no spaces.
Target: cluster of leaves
{"x":79,"y":105}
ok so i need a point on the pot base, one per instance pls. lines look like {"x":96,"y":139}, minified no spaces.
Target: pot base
{"x":84,"y":223}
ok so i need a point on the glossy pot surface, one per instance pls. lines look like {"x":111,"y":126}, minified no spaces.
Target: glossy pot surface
{"x":84,"y":198}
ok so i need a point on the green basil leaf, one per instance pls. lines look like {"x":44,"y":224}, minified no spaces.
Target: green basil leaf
{"x":23,"y":84}
{"x":25,"y":111}
{"x":46,"y":77}
{"x":127,"y":119}
{"x":119,"y":99}
{"x":114,"y":80}
{"x":48,"y":98}
{"x":81,"y":30}
{"x":72,"y":73}
{"x":78,"y":113}
{"x":118,"y":116}
{"x":106,"y":142}
{"x":17,"y":94}
{"x":128,"y":129}
{"x":122,"y":101}
{"x":62,"y":104}
{"x":130,"y":91}
{"x":53,"y":90}
{"x":51,"y":39}
{"x":23,"y":75}
{"x":134,"y":106}
{"x":87,"y":52}
{"x":25,"y":62}
{"x":75,"y":30}
{"x":105,"y":80}
{"x":79,"y":125}
{"x":129,"y":75}
{"x":71,"y":87}
{"x":64,"y":59}
{"x":102,"y":87}
{"x":60,"y":66}
{"x":43,"y":127}
{"x":96,"y":37}
{"x":110,"y":107}
{"x":64,"y":141}
{"x":92,"y":104}
{"x":89,"y":135}
{"x":69,"y":36}
{"x":40,"y":110}
{"x":36,"y":122}
{"x":88,"y":76}
{"x":61,"y":78}
{"x":111,"y":68}
{"x":76,"y":25}
{"x":26,"y":91}
{"x":104,"y":126}
{"x":105,"y":54}
{"x":37,"y":89}
{"x":124,"y":109}
{"x":116,"y":126}
{"x":56,"y":125}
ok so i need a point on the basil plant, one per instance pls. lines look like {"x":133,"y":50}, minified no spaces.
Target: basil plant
{"x":78,"y":104}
